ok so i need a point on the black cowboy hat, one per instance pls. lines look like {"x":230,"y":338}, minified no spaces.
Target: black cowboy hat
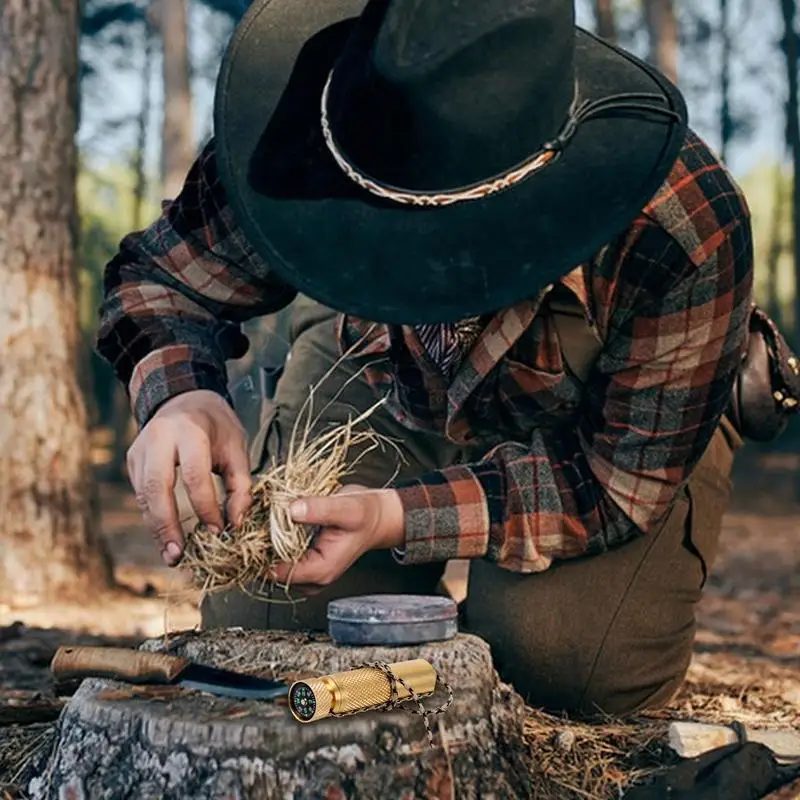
{"x":418,"y":161}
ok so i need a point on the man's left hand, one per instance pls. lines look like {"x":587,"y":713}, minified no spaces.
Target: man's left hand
{"x":352,"y":522}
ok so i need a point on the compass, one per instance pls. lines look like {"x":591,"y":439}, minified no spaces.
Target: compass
{"x":302,"y":701}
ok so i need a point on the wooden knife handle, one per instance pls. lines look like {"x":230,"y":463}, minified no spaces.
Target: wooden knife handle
{"x":133,"y":666}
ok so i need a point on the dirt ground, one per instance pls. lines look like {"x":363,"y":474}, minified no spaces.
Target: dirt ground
{"x":747,"y":660}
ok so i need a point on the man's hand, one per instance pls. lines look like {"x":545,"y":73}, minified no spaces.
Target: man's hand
{"x":200,"y":433}
{"x":352,"y":522}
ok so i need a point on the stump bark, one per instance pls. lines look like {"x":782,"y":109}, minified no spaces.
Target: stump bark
{"x":116,"y":743}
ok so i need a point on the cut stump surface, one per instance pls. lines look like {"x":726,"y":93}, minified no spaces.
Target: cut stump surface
{"x":117,"y":742}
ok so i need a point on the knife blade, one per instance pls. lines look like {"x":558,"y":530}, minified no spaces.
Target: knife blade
{"x":142,"y":668}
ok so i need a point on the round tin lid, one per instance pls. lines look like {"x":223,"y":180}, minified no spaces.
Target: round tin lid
{"x":392,"y":609}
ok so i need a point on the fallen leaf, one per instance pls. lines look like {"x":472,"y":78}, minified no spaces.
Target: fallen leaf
{"x":13,"y":696}
{"x":792,"y":696}
{"x":160,"y":691}
{"x":784,"y":646}
{"x":727,"y":703}
{"x":141,"y":692}
{"x":115,"y":694}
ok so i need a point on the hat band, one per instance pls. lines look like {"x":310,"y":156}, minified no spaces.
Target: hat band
{"x":439,"y":198}
{"x":547,"y":154}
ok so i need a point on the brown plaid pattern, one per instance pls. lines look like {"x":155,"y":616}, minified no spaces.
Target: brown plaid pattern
{"x":176,"y":293}
{"x":568,"y":470}
{"x":560,"y":470}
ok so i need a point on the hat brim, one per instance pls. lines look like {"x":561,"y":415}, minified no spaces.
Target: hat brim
{"x":386,"y":262}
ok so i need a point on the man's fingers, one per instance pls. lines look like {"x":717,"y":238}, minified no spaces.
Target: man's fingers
{"x":312,"y":570}
{"x":155,"y":494}
{"x":344,"y":511}
{"x":235,"y":472}
{"x":180,"y":434}
{"x":169,"y":536}
{"x":194,"y":456}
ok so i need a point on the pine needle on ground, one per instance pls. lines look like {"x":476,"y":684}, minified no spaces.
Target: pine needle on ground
{"x":571,"y":760}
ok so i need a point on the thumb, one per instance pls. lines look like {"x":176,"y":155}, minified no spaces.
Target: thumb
{"x":344,"y":511}
{"x":235,"y":474}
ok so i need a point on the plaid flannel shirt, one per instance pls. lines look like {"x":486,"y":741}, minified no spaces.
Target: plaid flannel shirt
{"x":565,"y":470}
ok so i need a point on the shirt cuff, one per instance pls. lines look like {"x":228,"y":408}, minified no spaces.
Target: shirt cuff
{"x":170,"y":371}
{"x":446,"y":517}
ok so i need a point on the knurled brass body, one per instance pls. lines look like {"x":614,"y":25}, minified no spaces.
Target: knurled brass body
{"x":358,"y":689}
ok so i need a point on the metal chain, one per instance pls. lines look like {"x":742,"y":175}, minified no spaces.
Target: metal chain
{"x":394,"y":702}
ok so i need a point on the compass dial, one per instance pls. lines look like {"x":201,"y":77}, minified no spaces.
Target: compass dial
{"x":302,"y":701}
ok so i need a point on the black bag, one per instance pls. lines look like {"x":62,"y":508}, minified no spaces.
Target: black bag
{"x":735,"y":772}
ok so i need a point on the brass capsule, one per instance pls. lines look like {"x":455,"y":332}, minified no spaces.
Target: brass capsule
{"x":357,"y":690}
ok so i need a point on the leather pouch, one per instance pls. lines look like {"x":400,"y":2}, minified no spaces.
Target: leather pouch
{"x":767,"y":391}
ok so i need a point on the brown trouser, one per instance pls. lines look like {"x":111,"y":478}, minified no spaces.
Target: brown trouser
{"x":612,"y":632}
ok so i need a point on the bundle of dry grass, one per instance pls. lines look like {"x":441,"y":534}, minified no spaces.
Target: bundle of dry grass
{"x":243,"y":557}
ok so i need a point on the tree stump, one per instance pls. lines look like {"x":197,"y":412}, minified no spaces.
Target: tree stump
{"x":116,"y":742}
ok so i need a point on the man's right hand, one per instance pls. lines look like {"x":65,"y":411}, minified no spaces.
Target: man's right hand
{"x":200,"y":433}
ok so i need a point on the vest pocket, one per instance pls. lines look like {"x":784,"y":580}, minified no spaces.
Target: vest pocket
{"x":266,"y":444}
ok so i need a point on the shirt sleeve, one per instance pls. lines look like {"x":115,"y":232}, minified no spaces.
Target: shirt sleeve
{"x":176,"y":294}
{"x":653,"y":402}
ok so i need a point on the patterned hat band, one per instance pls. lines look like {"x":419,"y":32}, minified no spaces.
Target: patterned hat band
{"x":547,"y":154}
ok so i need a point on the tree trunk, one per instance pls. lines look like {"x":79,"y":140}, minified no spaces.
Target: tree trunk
{"x":172,"y":744}
{"x":123,"y":425}
{"x":725,"y":118}
{"x":50,"y":545}
{"x":606,"y":24}
{"x":662,"y":27}
{"x":143,"y":127}
{"x":124,"y":432}
{"x":178,"y":146}
{"x":776,"y":248}
{"x":790,"y":47}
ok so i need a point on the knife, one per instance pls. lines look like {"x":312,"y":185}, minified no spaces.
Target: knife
{"x":142,"y":668}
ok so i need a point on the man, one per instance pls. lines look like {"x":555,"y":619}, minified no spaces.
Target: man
{"x":435,"y":179}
